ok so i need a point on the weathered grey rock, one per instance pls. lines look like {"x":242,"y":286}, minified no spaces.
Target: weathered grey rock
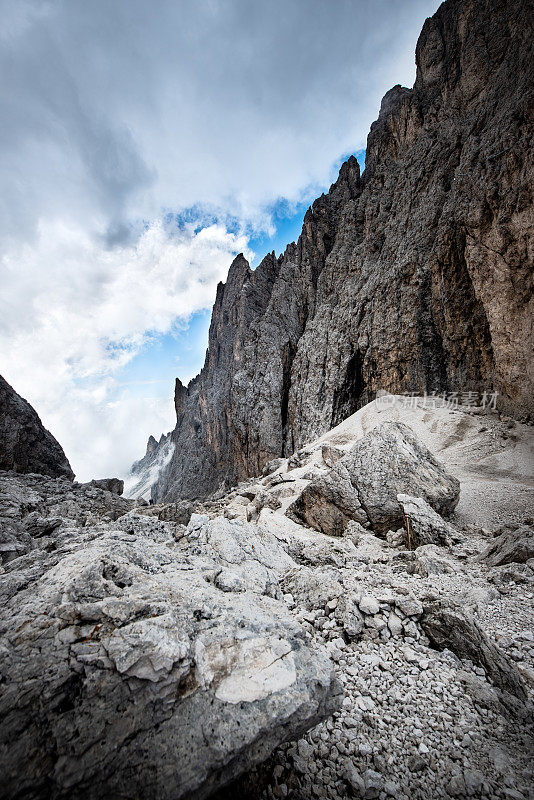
{"x":135,"y":666}
{"x":363,"y":485}
{"x":322,"y":553}
{"x":369,"y":605}
{"x":350,"y":616}
{"x":447,"y":626}
{"x":176,"y":512}
{"x":330,"y":454}
{"x":389,"y":460}
{"x":261,"y":500}
{"x":272,"y":466}
{"x":313,"y":588}
{"x":329,"y":503}
{"x":410,"y":606}
{"x":25,"y":445}
{"x":114,"y":485}
{"x":431,"y":559}
{"x":510,"y":546}
{"x":33,"y":506}
{"x":402,"y":279}
{"x":426,"y":526}
{"x":394,"y":624}
{"x":353,"y":779}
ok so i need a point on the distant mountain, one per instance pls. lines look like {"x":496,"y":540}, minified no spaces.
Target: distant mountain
{"x":144,"y":473}
{"x":414,"y":277}
{"x":25,"y":445}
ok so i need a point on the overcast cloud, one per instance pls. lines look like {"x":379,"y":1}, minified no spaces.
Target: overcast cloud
{"x":116,"y":113}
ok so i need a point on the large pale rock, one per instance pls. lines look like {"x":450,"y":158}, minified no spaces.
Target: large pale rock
{"x":390,"y":460}
{"x":431,"y":559}
{"x":329,"y":502}
{"x":313,"y":589}
{"x":426,"y":525}
{"x":114,"y":485}
{"x":176,"y":512}
{"x":128,"y":670}
{"x":511,"y":546}
{"x":363,"y":485}
{"x":25,"y":444}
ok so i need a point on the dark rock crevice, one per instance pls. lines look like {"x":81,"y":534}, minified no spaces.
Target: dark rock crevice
{"x":351,"y":394}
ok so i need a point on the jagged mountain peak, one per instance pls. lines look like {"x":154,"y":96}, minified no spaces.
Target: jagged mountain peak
{"x":414,"y":277}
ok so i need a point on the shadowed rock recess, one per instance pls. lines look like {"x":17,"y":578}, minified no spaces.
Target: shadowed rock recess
{"x":415,"y":276}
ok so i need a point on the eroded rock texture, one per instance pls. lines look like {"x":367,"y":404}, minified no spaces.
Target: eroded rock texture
{"x":25,"y":444}
{"x":447,"y":625}
{"x":363,"y":486}
{"x":139,"y":658}
{"x":416,"y":276}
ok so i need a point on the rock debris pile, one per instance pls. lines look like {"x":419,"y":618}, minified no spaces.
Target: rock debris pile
{"x":188,"y":650}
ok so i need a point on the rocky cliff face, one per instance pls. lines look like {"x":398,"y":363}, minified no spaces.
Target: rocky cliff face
{"x":416,"y":276}
{"x":25,"y":445}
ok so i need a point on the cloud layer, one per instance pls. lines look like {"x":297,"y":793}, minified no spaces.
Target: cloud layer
{"x":87,"y":311}
{"x":120,"y":118}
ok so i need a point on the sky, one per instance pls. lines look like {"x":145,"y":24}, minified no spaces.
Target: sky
{"x":143,"y":145}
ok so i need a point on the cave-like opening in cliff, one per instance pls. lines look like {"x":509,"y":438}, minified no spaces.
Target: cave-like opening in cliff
{"x":351,"y":394}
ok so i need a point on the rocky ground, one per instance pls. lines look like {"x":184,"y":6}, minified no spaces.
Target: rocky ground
{"x":164,"y":651}
{"x":417,"y":721}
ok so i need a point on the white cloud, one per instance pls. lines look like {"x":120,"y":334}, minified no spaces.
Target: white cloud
{"x":78,"y":312}
{"x":114,"y":110}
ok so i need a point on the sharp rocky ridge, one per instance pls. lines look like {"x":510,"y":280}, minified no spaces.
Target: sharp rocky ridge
{"x":413,"y":277}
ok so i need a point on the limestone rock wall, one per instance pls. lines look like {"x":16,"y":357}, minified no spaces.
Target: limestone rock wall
{"x":416,"y":276}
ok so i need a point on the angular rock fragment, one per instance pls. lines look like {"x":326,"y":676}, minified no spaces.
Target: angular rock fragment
{"x":350,"y":616}
{"x":313,"y":588}
{"x":447,"y":626}
{"x":369,"y":605}
{"x":390,"y":460}
{"x":426,"y":526}
{"x":509,"y":547}
{"x":363,"y":485}
{"x":114,"y":485}
{"x":330,"y":454}
{"x":176,"y":512}
{"x":431,"y":559}
{"x":329,"y":502}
